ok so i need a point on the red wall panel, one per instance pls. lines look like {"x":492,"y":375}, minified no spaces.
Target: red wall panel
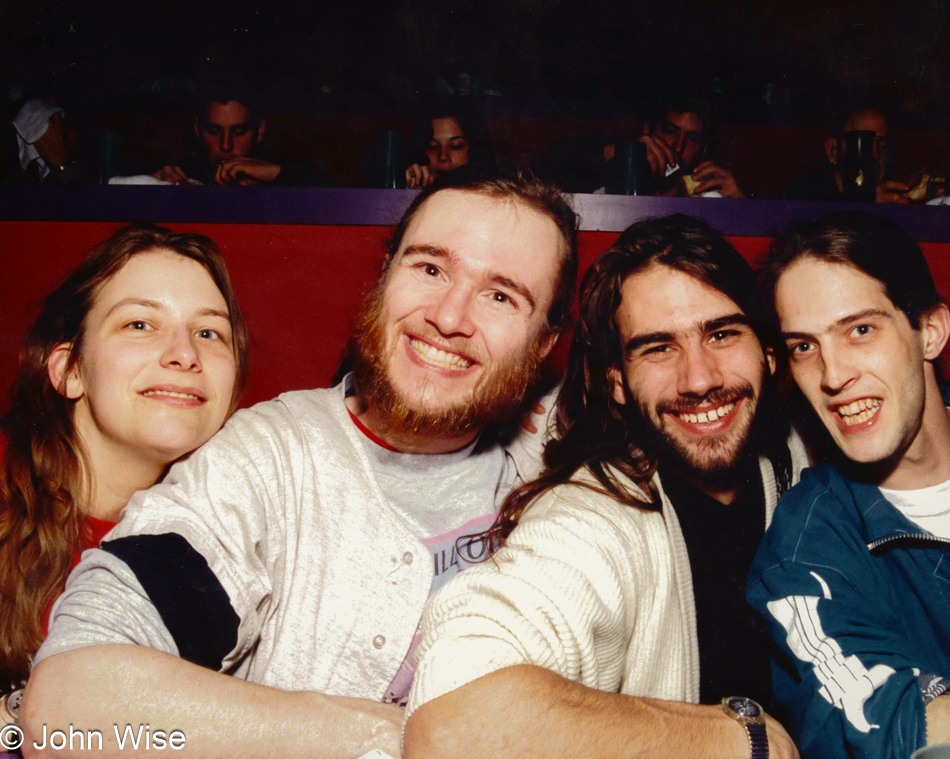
{"x":299,"y":286}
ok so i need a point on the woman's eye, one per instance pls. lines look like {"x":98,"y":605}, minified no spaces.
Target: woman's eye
{"x":209,"y":334}
{"x":432,"y":271}
{"x":138,"y":325}
{"x":500,"y":298}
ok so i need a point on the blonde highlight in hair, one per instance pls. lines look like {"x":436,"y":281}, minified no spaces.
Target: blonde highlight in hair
{"x":42,"y":519}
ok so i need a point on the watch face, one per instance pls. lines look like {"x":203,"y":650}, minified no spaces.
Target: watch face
{"x":744,"y":707}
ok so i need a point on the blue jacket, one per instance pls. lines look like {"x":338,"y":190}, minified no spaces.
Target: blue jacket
{"x":857,"y":599}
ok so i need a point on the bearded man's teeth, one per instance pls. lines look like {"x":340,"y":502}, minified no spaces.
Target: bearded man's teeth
{"x":708,"y":416}
{"x":859,"y":411}
{"x":439,"y":357}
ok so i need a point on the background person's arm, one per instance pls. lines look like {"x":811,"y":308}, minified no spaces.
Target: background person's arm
{"x":98,"y":687}
{"x":524,"y":711}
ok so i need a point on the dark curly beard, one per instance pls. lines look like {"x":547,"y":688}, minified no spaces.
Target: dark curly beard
{"x":713,"y":460}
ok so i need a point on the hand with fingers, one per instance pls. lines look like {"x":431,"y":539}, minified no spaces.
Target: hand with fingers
{"x":659,"y":155}
{"x":246,"y":171}
{"x":713,"y":177}
{"x":418,"y":176}
{"x":173,"y":174}
{"x":891,"y":192}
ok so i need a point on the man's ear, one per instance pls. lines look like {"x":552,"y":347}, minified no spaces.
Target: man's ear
{"x":831,"y":150}
{"x":260,"y":131}
{"x":547,"y":343}
{"x":66,"y":382}
{"x":935,"y":330}
{"x":770,"y":359}
{"x":615,"y":376}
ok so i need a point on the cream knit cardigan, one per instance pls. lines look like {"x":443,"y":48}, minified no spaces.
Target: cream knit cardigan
{"x":598,"y":592}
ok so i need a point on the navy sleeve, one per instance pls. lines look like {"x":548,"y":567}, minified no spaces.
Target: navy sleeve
{"x":187,"y":595}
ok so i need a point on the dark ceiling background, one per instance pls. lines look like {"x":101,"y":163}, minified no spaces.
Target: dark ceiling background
{"x":779,"y":60}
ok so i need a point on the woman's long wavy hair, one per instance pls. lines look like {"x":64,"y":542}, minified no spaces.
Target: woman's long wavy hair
{"x":42,"y":490}
{"x":592,"y":430}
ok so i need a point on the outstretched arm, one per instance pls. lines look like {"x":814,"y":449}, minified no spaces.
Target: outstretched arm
{"x":526,"y":711}
{"x":99,"y":687}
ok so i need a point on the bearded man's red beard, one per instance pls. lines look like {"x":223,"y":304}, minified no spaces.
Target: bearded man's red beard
{"x":496,"y":397}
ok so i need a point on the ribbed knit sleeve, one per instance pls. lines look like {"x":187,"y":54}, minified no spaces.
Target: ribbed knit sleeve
{"x":584,"y":588}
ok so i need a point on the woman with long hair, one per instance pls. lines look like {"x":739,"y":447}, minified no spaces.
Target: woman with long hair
{"x":135,"y":360}
{"x":447,"y":136}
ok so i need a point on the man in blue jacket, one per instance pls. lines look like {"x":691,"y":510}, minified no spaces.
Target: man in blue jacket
{"x":853,"y":577}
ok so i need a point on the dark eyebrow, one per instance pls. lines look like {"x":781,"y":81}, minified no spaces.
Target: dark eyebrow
{"x":737,"y":318}
{"x":638,"y":341}
{"x":842,"y":322}
{"x":213,"y":125}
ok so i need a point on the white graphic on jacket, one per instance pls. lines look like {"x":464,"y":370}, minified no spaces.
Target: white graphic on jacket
{"x":845,"y":682}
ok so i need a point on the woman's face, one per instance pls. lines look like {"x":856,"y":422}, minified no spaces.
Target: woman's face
{"x":448,"y":148}
{"x":156,"y":369}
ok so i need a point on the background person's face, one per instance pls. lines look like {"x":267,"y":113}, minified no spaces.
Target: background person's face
{"x":691,"y":364}
{"x":683,"y":132}
{"x":449,"y":147}
{"x":868,"y":121}
{"x":228,"y":131}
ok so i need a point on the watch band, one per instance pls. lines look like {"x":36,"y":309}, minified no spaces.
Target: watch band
{"x":759,"y":741}
{"x":751,"y":716}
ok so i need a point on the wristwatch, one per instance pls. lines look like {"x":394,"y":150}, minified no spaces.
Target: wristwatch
{"x":751,"y":716}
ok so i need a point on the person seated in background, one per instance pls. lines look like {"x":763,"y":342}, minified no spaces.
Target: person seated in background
{"x":228,"y":150}
{"x":852,"y":576}
{"x":47,"y":146}
{"x":827,"y":185}
{"x":296,"y":550}
{"x":680,"y":141}
{"x":134,"y":361}
{"x":450,"y":135}
{"x":613,"y":622}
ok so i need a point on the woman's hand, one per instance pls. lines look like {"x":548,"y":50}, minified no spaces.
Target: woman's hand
{"x":418,"y":176}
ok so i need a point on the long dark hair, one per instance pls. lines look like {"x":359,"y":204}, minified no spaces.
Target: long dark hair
{"x":41,"y":489}
{"x":592,"y":430}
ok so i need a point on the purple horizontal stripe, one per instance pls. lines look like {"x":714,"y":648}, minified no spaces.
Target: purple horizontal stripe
{"x":285,"y":205}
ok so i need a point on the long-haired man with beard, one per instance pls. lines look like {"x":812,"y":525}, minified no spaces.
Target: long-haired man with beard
{"x":612,"y":620}
{"x":297,"y":548}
